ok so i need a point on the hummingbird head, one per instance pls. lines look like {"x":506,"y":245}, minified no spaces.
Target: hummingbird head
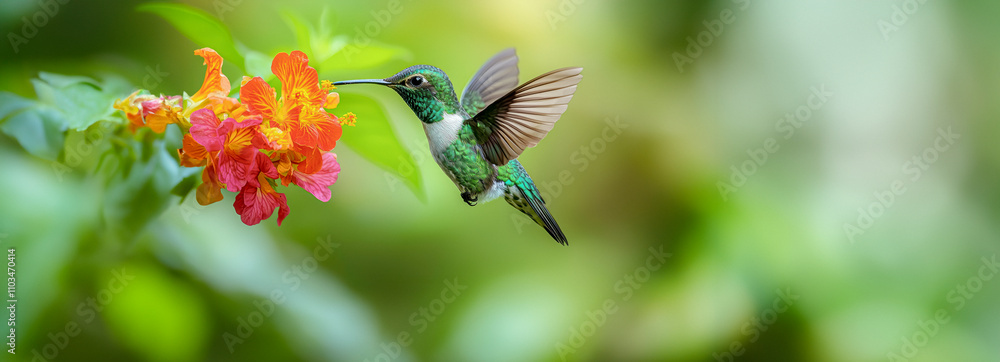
{"x":426,"y":89}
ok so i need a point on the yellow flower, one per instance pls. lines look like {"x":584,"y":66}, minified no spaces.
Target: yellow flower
{"x":349,"y":119}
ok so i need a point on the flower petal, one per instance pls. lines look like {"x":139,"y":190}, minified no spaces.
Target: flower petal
{"x":329,"y":132}
{"x":256,"y":204}
{"x":210,"y":190}
{"x":332,"y":100}
{"x":262,"y":165}
{"x":312,"y":162}
{"x":259,"y":98}
{"x":205,"y":129}
{"x":282,"y":208}
{"x":193,"y":154}
{"x":233,"y":171}
{"x":299,"y":81}
{"x":318,"y":184}
{"x":215,"y":82}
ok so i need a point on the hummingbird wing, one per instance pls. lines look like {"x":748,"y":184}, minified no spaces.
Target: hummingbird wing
{"x":493,"y":80}
{"x":522,"y":117}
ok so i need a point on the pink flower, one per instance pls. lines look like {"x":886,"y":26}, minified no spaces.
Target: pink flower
{"x":232,"y":140}
{"x":319,"y":183}
{"x":257,"y":200}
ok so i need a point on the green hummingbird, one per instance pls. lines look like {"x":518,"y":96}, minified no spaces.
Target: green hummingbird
{"x":477,"y":140}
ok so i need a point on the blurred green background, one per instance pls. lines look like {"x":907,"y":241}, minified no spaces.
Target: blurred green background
{"x":807,"y":254}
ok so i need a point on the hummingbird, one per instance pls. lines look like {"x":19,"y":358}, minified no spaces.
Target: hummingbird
{"x":477,"y":140}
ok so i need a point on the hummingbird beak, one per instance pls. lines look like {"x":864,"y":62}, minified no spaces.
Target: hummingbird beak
{"x":362,"y":81}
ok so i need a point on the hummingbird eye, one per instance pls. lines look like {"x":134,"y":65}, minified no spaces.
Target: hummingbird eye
{"x":416,"y":81}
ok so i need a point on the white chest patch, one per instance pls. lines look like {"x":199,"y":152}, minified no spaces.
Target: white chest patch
{"x":496,"y":190}
{"x":443,"y":133}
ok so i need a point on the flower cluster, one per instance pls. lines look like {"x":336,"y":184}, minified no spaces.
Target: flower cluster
{"x":251,"y":143}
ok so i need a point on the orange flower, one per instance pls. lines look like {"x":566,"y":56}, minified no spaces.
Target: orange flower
{"x":216,"y":84}
{"x":299,"y":81}
{"x":316,"y":128}
{"x":300,"y":108}
{"x":210,"y":190}
{"x":260,"y":98}
{"x":160,"y":112}
{"x":273,"y":138}
{"x":247,"y":144}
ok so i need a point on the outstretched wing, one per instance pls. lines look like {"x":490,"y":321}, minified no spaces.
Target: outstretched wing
{"x":494,"y":79}
{"x":522,"y":117}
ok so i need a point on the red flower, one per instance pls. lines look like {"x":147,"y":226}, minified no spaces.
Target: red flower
{"x":247,"y":144}
{"x":231,"y":140}
{"x":257,"y":200}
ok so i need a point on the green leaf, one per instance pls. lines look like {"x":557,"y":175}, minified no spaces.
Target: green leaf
{"x":11,"y":103}
{"x":64,"y":103}
{"x":356,"y":56}
{"x":302,"y":30}
{"x":199,"y":26}
{"x":143,"y":193}
{"x":183,"y":188}
{"x":374,"y":139}
{"x":319,"y":42}
{"x":116,"y":86}
{"x":82,"y":149}
{"x":257,"y":63}
{"x":80,"y":100}
{"x":40,"y":131}
{"x":63,"y":81}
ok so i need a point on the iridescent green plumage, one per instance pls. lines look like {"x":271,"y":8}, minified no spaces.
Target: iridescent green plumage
{"x":462,"y":159}
{"x":523,"y":195}
{"x":476,"y":141}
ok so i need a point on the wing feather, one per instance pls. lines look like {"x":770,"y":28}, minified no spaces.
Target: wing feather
{"x":523,"y":116}
{"x":493,"y":80}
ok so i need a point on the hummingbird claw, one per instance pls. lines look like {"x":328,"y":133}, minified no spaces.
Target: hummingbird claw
{"x":469,"y":198}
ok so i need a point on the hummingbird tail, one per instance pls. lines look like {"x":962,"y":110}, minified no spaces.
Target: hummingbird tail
{"x":531,"y":204}
{"x":547,"y":221}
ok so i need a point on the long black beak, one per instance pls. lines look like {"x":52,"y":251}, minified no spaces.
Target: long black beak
{"x":362,"y":81}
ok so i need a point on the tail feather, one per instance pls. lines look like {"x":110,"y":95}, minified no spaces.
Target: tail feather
{"x":530,"y":203}
{"x":547,"y":221}
{"x":521,"y":193}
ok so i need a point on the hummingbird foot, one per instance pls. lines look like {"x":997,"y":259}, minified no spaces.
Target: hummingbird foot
{"x":469,"y":198}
